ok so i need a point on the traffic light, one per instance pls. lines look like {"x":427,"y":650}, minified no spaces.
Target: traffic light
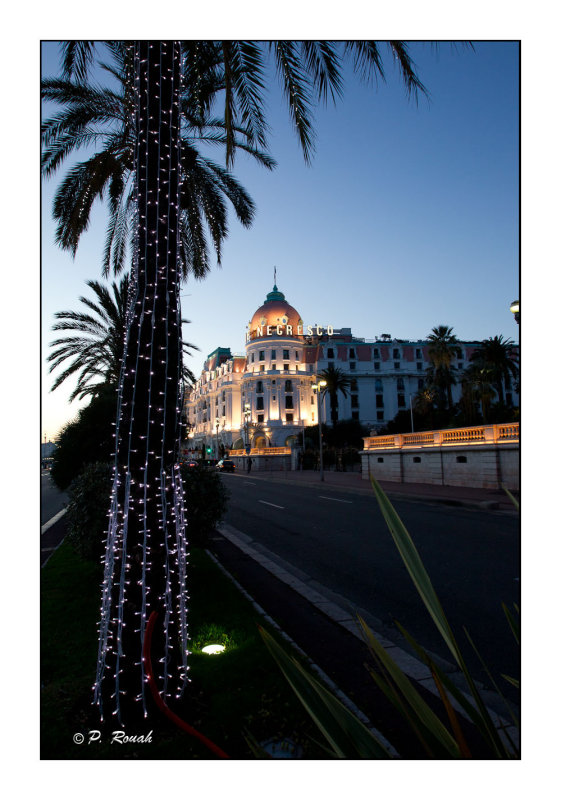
{"x":209,"y":449}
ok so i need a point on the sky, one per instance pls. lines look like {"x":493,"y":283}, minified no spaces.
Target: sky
{"x":407,"y":218}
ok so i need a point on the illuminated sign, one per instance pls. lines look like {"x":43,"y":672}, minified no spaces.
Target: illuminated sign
{"x":290,"y":330}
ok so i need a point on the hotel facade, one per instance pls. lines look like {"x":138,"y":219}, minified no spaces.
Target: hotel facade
{"x":264,"y":397}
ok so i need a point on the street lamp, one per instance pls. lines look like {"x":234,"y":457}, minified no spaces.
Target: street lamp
{"x":515,"y":308}
{"x":318,"y":388}
{"x":247,"y":414}
{"x":217,"y":423}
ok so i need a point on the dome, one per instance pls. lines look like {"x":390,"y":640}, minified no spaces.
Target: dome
{"x":277,"y":315}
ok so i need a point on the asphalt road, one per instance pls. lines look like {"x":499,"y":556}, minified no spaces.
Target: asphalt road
{"x":52,"y":499}
{"x":341,"y":540}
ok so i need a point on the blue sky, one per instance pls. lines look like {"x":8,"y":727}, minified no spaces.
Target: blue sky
{"x":407,"y":218}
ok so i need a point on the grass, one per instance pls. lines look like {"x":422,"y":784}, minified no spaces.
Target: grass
{"x":237,"y":695}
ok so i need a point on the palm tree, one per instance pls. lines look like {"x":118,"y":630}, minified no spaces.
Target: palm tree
{"x":104,"y":118}
{"x":479,"y":387}
{"x":498,"y":357}
{"x":337,"y":382}
{"x":443,"y":347}
{"x":145,"y":561}
{"x":98,"y":344}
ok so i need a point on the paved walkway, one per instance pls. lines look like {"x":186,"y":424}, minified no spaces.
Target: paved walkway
{"x":353,"y":482}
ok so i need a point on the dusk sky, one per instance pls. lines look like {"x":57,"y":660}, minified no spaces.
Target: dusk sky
{"x":407,"y":218}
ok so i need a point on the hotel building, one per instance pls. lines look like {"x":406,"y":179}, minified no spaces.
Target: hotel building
{"x":264,"y":397}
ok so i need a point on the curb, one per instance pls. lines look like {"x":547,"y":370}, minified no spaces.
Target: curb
{"x":410,"y":665}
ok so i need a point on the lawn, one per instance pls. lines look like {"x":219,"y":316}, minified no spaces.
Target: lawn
{"x":234,"y":698}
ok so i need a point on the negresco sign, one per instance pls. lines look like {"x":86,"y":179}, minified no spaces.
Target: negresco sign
{"x":288,"y":330}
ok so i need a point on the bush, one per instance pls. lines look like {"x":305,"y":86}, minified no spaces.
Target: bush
{"x":87,"y":510}
{"x":206,"y":502}
{"x":85,"y":440}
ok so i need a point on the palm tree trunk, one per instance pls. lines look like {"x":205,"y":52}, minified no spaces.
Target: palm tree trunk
{"x":146,"y":550}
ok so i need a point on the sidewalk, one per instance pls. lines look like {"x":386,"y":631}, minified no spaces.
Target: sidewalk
{"x":489,"y":499}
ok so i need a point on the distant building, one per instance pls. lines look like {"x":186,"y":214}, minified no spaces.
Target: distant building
{"x":47,"y":449}
{"x":264,"y":396}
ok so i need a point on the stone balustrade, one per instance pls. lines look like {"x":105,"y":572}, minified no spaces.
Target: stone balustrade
{"x":480,"y":434}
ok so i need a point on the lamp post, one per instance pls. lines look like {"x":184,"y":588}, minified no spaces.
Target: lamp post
{"x":318,"y":388}
{"x":247,"y":414}
{"x":217,"y":423}
{"x":515,"y":308}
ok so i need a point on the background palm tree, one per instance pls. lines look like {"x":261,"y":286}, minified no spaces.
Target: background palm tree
{"x":337,"y":382}
{"x":146,"y":538}
{"x":98,"y":345}
{"x":498,"y":358}
{"x":479,"y":386}
{"x":443,"y":347}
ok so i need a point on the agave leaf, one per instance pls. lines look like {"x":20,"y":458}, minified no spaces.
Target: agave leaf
{"x":513,"y":681}
{"x":422,"y":582}
{"x":422,"y":712}
{"x":345,"y":733}
{"x":514,"y":627}
{"x":513,"y":499}
{"x":416,"y":569}
{"x":462,"y":744}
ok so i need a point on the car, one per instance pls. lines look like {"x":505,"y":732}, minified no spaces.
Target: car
{"x":226,"y":465}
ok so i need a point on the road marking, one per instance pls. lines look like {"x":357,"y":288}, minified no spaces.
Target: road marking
{"x":270,"y":504}
{"x":52,"y":521}
{"x":334,"y":498}
{"x":250,"y":483}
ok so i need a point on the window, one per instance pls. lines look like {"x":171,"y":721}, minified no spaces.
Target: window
{"x":354,"y":401}
{"x":352,"y":364}
{"x":459,"y":354}
{"x":273,"y":355}
{"x":380,"y":459}
{"x":376,"y":365}
{"x":416,"y":459}
{"x":379,"y":401}
{"x":354,"y":385}
{"x":261,"y":355}
{"x":418,"y":353}
{"x":396,"y":353}
{"x":262,"y":368}
{"x":396,"y":365}
{"x":312,"y":400}
{"x":252,"y":357}
{"x":400,"y":386}
{"x":297,"y":356}
{"x":376,"y":353}
{"x":419,"y":366}
{"x":273,"y":366}
{"x":285,"y":354}
{"x":420,"y":383}
{"x":401,"y":401}
{"x":461,"y":459}
{"x":286,"y":367}
{"x":379,"y":415}
{"x":288,"y":386}
{"x":261,"y":418}
{"x":259,"y":405}
{"x":259,"y":387}
{"x":330,"y":352}
{"x":223,"y":411}
{"x":288,"y":401}
{"x":352,"y":353}
{"x":378,"y":385}
{"x":289,"y":417}
{"x":274,"y":398}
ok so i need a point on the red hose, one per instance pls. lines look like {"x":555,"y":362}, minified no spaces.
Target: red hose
{"x":158,"y":698}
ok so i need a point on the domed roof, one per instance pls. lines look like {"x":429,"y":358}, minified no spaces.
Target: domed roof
{"x":275,"y":311}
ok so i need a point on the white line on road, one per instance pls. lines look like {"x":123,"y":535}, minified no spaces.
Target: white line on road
{"x":334,"y":498}
{"x":52,"y":521}
{"x":270,"y":504}
{"x":250,"y":483}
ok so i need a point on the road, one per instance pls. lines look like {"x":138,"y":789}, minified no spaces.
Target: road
{"x":52,"y":499}
{"x":341,"y":540}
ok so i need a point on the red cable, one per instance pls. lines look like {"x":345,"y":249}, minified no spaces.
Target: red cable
{"x":158,"y":698}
